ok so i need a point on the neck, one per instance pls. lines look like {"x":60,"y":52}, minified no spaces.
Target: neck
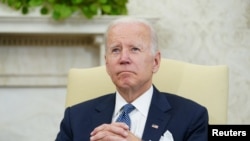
{"x":132,"y":93}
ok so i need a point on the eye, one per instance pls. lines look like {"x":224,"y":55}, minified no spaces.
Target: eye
{"x":135,"y":49}
{"x":115,"y":50}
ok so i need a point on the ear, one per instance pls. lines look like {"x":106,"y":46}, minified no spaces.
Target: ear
{"x":106,"y":64}
{"x":105,"y":58}
{"x":157,"y":61}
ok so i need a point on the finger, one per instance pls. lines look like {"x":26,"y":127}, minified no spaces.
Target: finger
{"x":99,"y":128}
{"x":113,"y":129}
{"x":105,"y":136}
{"x":99,"y":135}
{"x":114,"y":138}
{"x":105,"y":127}
{"x":121,"y":124}
{"x":120,"y":129}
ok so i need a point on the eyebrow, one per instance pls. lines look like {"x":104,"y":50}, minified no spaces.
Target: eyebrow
{"x":114,"y":45}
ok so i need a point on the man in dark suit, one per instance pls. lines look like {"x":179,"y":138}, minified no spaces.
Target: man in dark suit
{"x":132,"y":57}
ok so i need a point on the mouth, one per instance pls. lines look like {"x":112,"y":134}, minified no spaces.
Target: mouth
{"x":125,"y":72}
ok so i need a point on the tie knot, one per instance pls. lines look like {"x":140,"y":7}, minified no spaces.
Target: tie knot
{"x":128,"y":108}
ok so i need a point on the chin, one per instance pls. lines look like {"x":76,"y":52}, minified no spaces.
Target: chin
{"x":124,"y":85}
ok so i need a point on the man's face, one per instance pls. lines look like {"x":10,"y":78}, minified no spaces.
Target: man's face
{"x":129,"y":58}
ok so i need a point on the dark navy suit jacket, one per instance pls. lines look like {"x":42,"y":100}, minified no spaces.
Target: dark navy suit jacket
{"x":185,"y":119}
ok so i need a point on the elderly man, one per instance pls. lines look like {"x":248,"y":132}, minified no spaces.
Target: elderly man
{"x":132,"y":57}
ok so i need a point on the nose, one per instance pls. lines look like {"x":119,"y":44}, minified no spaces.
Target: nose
{"x":125,"y":57}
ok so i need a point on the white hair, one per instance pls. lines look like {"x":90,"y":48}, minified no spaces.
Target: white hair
{"x":154,"y":38}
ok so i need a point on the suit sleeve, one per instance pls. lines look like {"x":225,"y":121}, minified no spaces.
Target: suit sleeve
{"x":198,"y":131}
{"x":65,"y":133}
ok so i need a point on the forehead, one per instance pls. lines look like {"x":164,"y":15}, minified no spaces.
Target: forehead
{"x":129,"y":29}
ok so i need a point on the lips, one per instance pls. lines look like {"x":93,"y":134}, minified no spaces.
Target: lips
{"x":125,"y":72}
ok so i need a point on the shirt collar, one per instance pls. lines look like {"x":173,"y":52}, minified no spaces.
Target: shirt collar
{"x":141,"y":104}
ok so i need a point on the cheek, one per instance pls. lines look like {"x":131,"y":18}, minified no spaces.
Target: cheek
{"x":111,"y":69}
{"x":108,"y":69}
{"x":146,"y":67}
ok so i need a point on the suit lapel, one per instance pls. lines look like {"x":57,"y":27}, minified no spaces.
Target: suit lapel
{"x":157,"y":117}
{"x":104,"y":111}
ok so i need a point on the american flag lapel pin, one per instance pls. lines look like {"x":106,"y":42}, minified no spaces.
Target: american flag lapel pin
{"x":155,"y":126}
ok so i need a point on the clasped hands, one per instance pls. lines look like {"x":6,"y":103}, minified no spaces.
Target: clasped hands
{"x":116,"y":131}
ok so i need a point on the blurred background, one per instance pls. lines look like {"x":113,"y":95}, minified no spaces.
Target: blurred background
{"x":36,"y":54}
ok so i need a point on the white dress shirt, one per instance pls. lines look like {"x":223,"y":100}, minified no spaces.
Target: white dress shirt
{"x":139,"y":115}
